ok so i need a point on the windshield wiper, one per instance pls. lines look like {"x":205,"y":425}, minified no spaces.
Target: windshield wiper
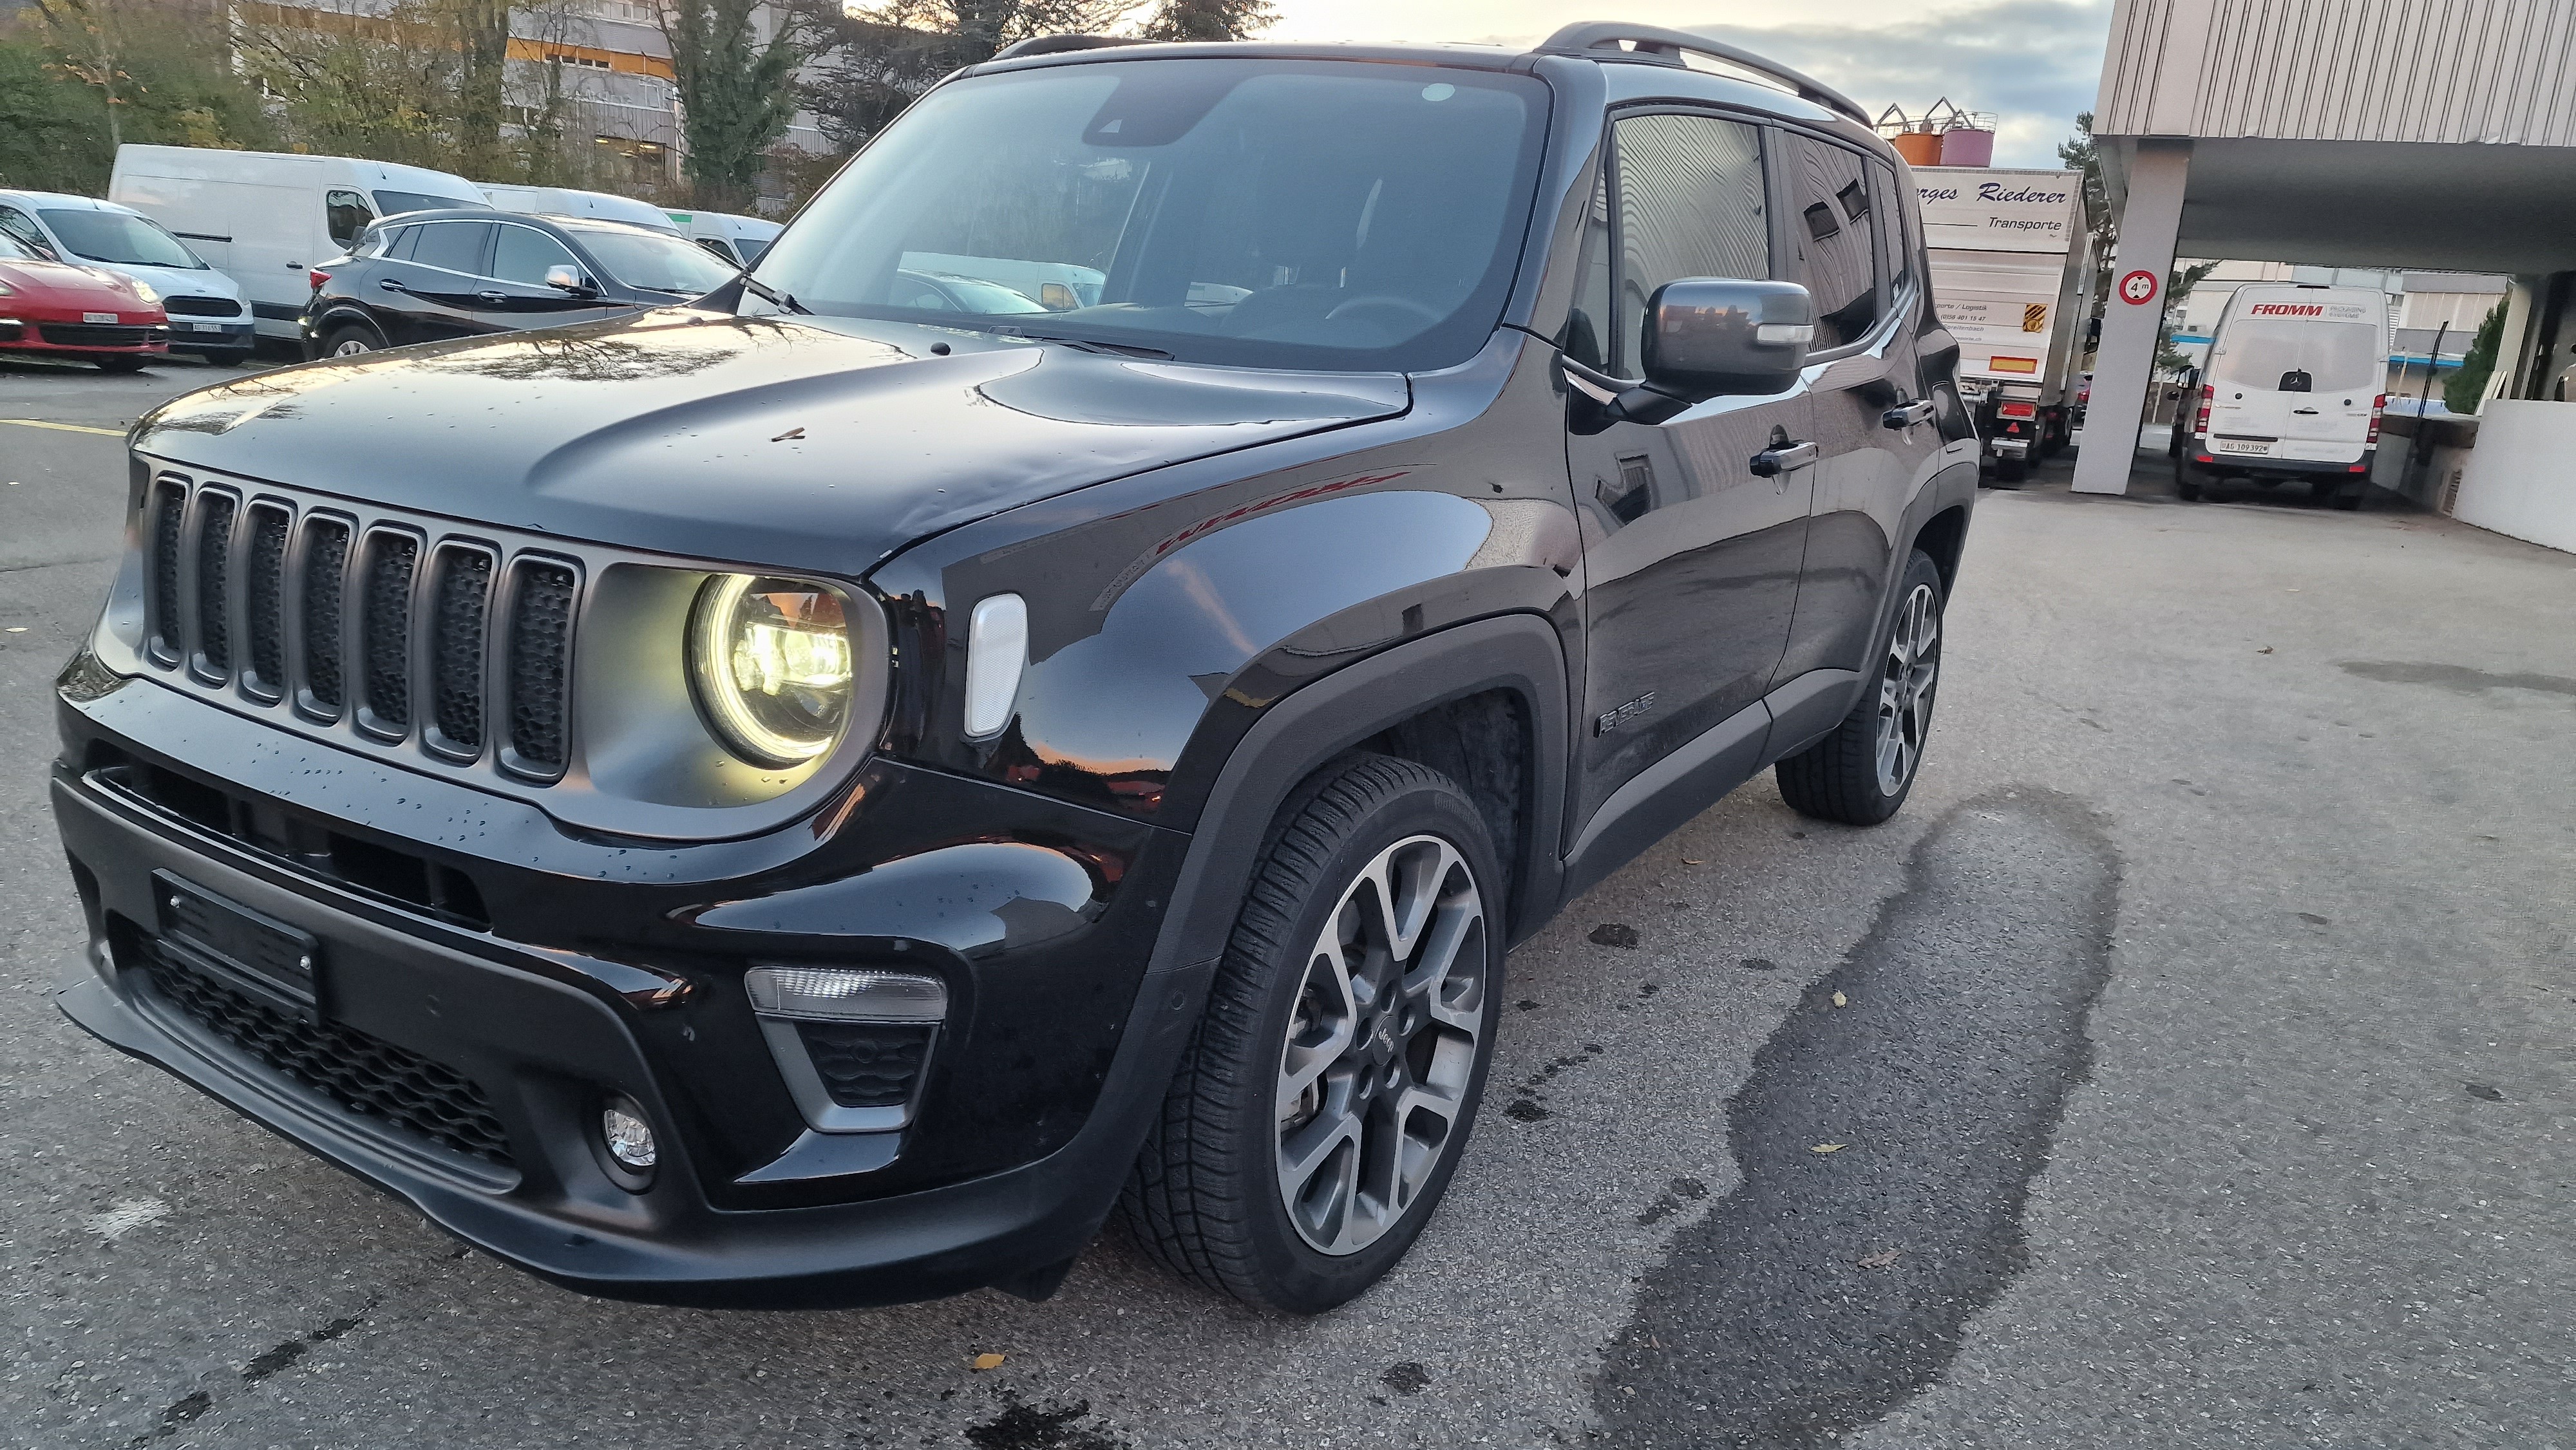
{"x":786,"y":300}
{"x":1088,"y":344}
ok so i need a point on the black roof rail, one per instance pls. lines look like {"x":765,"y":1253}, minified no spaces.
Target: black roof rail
{"x":1059,"y":44}
{"x":1601,"y":40}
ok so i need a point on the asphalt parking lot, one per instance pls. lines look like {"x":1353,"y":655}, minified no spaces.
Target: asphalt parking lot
{"x":2195,"y":1045}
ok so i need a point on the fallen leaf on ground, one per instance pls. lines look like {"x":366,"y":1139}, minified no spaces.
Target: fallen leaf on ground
{"x":1841,"y":1001}
{"x":989,"y":1361}
{"x":1687,"y":861}
{"x":2267,"y":649}
{"x":1879,"y":1260}
{"x":1829,"y":1147}
{"x":790,"y":433}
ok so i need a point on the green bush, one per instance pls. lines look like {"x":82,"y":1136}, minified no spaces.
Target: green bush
{"x":2463,"y":388}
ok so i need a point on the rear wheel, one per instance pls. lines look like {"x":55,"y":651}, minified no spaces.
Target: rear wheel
{"x":2009,"y":472}
{"x":1327,"y":1095}
{"x":2351,"y":496}
{"x":2188,"y":483}
{"x":1861,"y":774}
{"x":351,"y":339}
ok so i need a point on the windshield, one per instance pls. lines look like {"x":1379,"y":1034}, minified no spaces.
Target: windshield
{"x":655,"y":263}
{"x":1325,"y":214}
{"x":14,"y":250}
{"x":115,"y":237}
{"x":394,"y":203}
{"x":2265,"y":352}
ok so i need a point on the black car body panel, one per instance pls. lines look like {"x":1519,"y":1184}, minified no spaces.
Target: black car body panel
{"x":1232,"y":575}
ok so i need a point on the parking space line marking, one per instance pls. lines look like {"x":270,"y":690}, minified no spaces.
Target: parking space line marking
{"x":66,"y":427}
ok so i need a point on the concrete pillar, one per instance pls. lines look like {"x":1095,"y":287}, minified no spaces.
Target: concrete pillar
{"x":2126,"y":360}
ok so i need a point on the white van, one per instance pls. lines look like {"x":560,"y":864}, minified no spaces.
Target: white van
{"x":564,"y":201}
{"x":2293,"y":390}
{"x":739,"y":240}
{"x":266,"y":218}
{"x":207,"y":316}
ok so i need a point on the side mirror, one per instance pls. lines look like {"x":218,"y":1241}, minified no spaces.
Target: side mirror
{"x":567,"y":279}
{"x":1708,"y":337}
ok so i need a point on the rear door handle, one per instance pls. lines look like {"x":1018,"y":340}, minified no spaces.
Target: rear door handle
{"x":1786,"y":458}
{"x":1906,"y":415}
{"x":390,"y":285}
{"x":2305,"y":412}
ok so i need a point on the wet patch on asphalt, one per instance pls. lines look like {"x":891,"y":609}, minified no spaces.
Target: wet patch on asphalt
{"x":2458,"y":679}
{"x":1887,"y":1147}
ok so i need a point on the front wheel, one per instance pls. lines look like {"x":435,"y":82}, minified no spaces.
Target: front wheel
{"x":120,"y":364}
{"x":1861,"y":773}
{"x":1327,"y":1095}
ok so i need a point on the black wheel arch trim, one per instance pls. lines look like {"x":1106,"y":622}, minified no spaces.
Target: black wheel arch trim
{"x":1321,"y":719}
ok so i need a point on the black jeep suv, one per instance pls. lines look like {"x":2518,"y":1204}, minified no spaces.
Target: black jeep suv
{"x":821,"y":794}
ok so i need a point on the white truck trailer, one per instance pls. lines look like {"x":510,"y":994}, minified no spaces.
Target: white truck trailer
{"x":2012,"y":264}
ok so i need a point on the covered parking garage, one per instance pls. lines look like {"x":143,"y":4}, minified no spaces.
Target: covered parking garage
{"x":2370,"y":133}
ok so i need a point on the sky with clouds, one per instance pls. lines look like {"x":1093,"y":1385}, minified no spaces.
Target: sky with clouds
{"x":2034,"y":63}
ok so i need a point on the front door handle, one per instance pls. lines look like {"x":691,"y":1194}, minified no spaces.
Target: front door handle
{"x":390,"y":285}
{"x":495,"y":298}
{"x":1783,"y":458}
{"x":1906,"y":415}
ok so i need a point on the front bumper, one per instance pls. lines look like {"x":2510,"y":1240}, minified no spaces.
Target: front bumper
{"x":191,"y":335}
{"x":748,"y":1207}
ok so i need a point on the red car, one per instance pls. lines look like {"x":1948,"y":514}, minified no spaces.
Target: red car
{"x":51,"y":309}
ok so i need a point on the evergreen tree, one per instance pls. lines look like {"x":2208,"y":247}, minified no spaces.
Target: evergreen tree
{"x":1210,"y":19}
{"x":737,"y":88}
{"x":2462,"y":390}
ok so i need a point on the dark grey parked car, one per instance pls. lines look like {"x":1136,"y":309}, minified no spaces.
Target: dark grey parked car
{"x":428,"y":275}
{"x":823,"y":793}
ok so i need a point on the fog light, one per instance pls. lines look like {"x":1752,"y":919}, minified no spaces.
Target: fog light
{"x":628,"y":1137}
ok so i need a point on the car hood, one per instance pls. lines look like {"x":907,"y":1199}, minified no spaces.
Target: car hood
{"x":177,"y":281}
{"x":67,"y":286}
{"x":813,"y":443}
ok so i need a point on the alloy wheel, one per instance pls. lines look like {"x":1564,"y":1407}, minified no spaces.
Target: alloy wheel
{"x":351,"y":347}
{"x":1382,"y":1044}
{"x":1905,"y":687}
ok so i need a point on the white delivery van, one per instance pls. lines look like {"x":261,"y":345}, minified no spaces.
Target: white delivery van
{"x":739,"y":240}
{"x":207,"y":315}
{"x":2293,"y":390}
{"x":266,"y":218}
{"x":2011,"y":261}
{"x":564,"y":201}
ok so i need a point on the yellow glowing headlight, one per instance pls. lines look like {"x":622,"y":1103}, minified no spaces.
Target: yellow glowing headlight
{"x":771,"y":661}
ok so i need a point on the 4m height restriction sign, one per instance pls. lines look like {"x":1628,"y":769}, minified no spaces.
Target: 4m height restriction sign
{"x":2138,"y":288}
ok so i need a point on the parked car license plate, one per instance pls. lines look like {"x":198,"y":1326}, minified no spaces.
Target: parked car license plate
{"x":205,"y":327}
{"x":2238,"y":445}
{"x":98,"y":317}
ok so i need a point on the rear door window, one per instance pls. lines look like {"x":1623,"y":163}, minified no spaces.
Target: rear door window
{"x":2279,"y":354}
{"x":1833,"y":228}
{"x":1688,"y":195}
{"x":456,"y":246}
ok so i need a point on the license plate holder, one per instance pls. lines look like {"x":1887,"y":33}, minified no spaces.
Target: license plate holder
{"x":257,"y":954}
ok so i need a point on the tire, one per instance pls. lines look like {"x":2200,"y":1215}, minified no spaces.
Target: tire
{"x":2350,"y":499}
{"x":1861,"y":773}
{"x":350,"y":339}
{"x":2009,"y":472}
{"x":120,"y":364}
{"x":1213,"y":1194}
{"x":2188,"y":485}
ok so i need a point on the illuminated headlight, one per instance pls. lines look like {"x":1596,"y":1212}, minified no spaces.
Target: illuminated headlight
{"x":770,"y":658}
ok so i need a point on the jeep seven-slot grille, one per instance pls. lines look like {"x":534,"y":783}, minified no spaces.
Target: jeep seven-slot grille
{"x":388,"y":629}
